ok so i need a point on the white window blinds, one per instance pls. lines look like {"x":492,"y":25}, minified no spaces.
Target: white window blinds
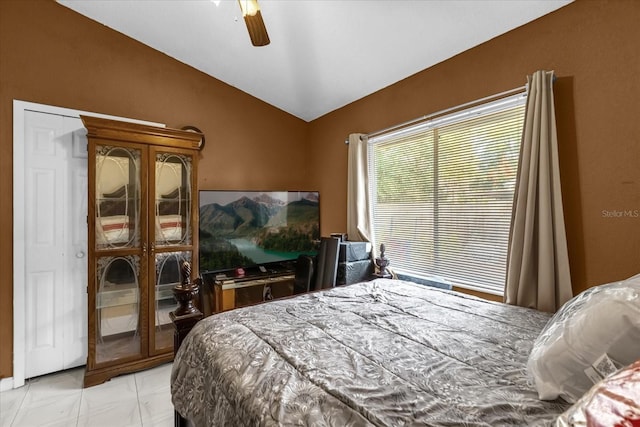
{"x":442,"y":193}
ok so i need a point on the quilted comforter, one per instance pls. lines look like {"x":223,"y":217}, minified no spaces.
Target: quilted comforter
{"x":381,"y":353}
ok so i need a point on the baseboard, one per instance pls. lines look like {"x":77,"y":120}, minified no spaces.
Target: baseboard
{"x":6,"y":384}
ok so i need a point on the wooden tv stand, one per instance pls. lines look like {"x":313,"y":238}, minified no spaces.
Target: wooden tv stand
{"x":236,"y":292}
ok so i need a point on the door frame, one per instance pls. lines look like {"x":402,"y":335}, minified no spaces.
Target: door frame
{"x":19,"y":231}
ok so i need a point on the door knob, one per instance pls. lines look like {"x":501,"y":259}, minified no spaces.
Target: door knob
{"x":80,"y":254}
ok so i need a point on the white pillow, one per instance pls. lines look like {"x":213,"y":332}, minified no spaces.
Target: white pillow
{"x":603,"y":319}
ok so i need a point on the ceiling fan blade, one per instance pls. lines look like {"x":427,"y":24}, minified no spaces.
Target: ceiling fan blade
{"x":255,"y":25}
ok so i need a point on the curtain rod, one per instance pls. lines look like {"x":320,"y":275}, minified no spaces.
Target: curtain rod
{"x":522,"y":89}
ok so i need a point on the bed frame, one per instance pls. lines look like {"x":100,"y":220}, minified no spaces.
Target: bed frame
{"x":185,"y":317}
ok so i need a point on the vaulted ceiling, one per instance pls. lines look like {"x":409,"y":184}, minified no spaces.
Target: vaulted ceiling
{"x":323,"y":54}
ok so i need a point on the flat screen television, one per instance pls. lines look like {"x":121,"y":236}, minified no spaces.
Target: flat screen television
{"x":241,"y":229}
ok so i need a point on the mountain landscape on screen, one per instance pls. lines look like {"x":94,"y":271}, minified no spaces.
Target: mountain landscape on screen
{"x":257,"y":228}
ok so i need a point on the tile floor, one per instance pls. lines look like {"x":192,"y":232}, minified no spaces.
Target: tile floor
{"x":139,"y":399}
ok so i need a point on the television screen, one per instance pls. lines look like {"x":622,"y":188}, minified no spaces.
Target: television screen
{"x":249,"y":228}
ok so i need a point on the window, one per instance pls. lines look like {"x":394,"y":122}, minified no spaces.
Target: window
{"x":442,"y":193}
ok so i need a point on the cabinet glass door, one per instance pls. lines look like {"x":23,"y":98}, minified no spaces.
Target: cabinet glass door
{"x":118,"y":252}
{"x":117,"y":197}
{"x":172,"y":237}
{"x":168,"y":275}
{"x":173,"y":195}
{"x":117,"y":308}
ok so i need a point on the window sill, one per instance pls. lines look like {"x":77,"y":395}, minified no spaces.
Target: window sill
{"x":425,"y":281}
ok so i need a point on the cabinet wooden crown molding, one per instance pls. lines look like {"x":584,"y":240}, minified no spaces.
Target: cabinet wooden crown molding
{"x":143,"y":134}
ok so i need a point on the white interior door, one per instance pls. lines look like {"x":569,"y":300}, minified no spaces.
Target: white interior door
{"x":55,"y":176}
{"x":75,"y":290}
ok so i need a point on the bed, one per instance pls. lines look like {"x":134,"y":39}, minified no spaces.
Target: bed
{"x":379,"y":353}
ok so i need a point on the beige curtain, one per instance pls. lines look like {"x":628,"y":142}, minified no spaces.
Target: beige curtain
{"x":538,"y":263}
{"x":358,"y":214}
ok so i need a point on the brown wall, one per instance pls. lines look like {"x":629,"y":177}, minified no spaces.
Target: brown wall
{"x":52,"y":55}
{"x":594,"y":48}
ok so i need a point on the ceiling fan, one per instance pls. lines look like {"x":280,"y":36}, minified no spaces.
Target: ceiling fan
{"x":255,"y":24}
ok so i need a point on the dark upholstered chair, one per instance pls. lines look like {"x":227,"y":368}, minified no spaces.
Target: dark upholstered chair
{"x":326,"y":270}
{"x":319,"y":272}
{"x":304,"y":274}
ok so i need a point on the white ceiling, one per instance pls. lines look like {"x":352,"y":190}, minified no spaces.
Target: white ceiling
{"x":323,"y":54}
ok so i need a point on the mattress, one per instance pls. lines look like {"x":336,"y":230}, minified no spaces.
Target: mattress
{"x":380,"y":353}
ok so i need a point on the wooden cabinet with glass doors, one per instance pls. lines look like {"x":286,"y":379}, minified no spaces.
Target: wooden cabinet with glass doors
{"x":142,"y":226}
